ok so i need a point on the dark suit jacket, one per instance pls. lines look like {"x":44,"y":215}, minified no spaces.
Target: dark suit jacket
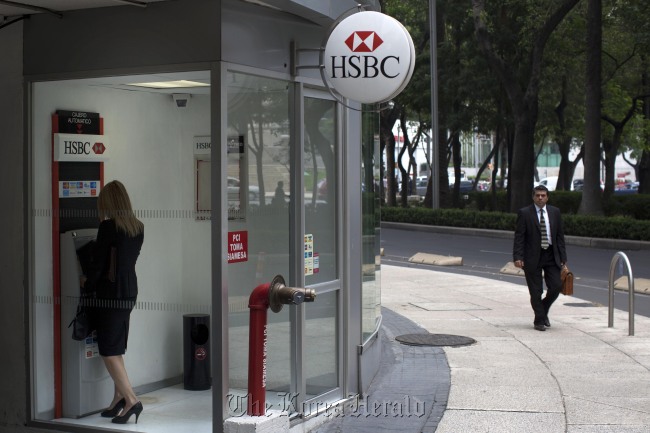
{"x":528,"y":237}
{"x":125,"y":285}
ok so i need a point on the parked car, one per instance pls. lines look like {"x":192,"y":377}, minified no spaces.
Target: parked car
{"x":627,"y":188}
{"x":466,"y":186}
{"x":551,"y":183}
{"x":421,"y":184}
{"x":578,"y":184}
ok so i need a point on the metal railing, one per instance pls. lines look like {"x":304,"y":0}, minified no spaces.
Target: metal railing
{"x":630,"y":279}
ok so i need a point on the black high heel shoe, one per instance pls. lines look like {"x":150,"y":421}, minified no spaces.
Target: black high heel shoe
{"x":110,"y":413}
{"x":135,"y":409}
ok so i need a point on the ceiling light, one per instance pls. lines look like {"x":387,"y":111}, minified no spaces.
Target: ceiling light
{"x":178,"y":84}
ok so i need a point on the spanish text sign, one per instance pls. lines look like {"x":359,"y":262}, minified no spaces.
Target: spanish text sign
{"x":237,"y":246}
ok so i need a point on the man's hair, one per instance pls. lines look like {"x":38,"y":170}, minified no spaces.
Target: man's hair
{"x":540,"y":188}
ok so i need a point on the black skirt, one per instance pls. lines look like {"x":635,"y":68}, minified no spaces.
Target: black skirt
{"x":110,"y":318}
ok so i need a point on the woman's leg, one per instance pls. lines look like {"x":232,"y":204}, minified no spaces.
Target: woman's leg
{"x":117,"y":396}
{"x":117,"y":370}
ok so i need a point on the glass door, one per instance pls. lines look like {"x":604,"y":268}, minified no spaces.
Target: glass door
{"x":322,"y":245}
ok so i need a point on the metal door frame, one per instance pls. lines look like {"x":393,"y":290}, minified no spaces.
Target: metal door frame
{"x":297,"y":314}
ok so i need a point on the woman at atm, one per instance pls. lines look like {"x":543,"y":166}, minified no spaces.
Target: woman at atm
{"x":113,"y":286}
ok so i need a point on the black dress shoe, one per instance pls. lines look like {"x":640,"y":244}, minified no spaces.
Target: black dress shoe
{"x":123,"y":419}
{"x":547,"y":323}
{"x":540,"y":327}
{"x":110,"y":413}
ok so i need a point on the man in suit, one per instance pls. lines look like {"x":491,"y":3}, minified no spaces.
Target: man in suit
{"x":539,"y":245}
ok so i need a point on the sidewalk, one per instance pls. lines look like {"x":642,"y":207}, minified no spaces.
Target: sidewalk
{"x":577,"y":376}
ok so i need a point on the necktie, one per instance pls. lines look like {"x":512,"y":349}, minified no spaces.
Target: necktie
{"x":542,"y":223}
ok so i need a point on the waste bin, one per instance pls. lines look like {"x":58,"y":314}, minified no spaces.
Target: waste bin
{"x":196,"y":352}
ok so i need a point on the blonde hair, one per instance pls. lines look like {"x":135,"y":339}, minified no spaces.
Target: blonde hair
{"x":114,"y":203}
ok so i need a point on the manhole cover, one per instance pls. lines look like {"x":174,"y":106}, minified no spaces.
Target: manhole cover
{"x":434,"y":340}
{"x":580,"y":304}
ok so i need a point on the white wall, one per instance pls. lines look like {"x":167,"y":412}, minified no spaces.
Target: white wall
{"x":152,"y":154}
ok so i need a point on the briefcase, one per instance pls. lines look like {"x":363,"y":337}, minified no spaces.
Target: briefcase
{"x":567,"y":281}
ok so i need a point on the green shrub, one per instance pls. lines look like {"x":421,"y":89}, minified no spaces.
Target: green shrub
{"x":575,"y":225}
{"x":635,"y":206}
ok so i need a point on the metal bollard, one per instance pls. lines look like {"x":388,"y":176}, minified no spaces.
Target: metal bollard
{"x":273,"y":295}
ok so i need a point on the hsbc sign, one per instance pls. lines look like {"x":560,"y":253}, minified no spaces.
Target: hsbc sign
{"x":80,"y":147}
{"x":369,"y":57}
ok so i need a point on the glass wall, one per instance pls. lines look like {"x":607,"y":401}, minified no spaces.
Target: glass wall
{"x":149,"y":144}
{"x":259,"y":204}
{"x":370,"y":208}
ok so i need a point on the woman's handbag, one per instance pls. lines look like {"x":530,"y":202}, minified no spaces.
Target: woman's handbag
{"x":80,"y":324}
{"x":567,"y":281}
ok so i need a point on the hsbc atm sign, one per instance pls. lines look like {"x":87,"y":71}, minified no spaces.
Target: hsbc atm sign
{"x":369,"y":57}
{"x":80,"y":147}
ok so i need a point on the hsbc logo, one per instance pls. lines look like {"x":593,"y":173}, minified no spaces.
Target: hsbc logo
{"x":369,"y":65}
{"x":81,"y":147}
{"x":363,"y":42}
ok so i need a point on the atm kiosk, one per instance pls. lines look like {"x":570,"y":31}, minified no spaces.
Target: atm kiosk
{"x":86,"y":384}
{"x":78,"y":150}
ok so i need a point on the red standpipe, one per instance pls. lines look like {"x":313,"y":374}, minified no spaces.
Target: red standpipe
{"x":258,"y":303}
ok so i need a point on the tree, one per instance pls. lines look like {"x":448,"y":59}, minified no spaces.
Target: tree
{"x":626,"y":41}
{"x":591,"y":194}
{"x":514,"y":50}
{"x":414,"y":101}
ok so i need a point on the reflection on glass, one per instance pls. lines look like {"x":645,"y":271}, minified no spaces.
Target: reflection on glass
{"x":371,"y":205}
{"x":321,"y":369}
{"x":258,"y":183}
{"x":320,"y":191}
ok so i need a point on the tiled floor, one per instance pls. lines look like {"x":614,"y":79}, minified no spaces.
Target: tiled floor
{"x":167,"y":410}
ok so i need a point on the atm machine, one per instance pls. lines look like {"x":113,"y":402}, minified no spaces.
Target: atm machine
{"x":86,"y":385}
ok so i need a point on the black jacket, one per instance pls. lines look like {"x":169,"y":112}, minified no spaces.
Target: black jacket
{"x":528,"y":237}
{"x":127,"y":250}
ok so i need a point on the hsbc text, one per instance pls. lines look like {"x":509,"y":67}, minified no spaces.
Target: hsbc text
{"x":76,"y":147}
{"x":362,"y":66}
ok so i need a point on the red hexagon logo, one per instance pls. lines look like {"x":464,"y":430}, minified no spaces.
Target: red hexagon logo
{"x":363,"y":41}
{"x":99,"y":148}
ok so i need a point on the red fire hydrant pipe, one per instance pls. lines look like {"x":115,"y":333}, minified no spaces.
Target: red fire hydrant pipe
{"x":258,"y":303}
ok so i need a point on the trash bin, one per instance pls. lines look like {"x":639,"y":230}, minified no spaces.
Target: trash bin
{"x":196,"y":352}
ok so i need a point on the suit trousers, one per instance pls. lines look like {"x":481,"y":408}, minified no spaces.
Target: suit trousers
{"x":536,"y":288}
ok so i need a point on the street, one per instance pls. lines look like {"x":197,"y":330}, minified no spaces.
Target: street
{"x":485,"y":256}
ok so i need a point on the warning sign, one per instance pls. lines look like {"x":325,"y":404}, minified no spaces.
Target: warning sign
{"x":237,"y":246}
{"x":200,"y":354}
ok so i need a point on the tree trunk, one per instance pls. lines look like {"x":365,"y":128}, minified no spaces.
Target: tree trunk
{"x":644,"y":173}
{"x":523,"y":160}
{"x":387,"y":120}
{"x":564,"y":143}
{"x":591,"y":203}
{"x":610,"y":148}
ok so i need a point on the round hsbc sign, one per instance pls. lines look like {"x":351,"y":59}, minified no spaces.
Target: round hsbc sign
{"x":369,"y":57}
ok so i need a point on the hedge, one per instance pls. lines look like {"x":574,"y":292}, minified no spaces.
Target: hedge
{"x":574,"y":225}
{"x":635,"y":206}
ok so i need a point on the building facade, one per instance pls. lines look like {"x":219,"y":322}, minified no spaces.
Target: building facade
{"x":242,"y":166}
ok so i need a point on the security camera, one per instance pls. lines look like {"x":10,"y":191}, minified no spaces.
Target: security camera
{"x":182,"y":99}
